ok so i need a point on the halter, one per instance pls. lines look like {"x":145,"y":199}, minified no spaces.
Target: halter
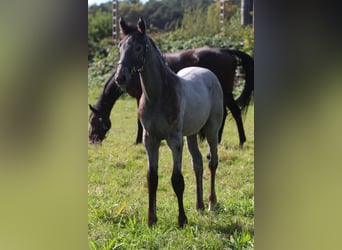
{"x":139,"y":67}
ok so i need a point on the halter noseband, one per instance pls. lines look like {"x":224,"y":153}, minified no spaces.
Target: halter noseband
{"x":139,"y":67}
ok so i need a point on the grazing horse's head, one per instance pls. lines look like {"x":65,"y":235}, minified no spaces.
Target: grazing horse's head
{"x":133,"y":48}
{"x":99,"y":126}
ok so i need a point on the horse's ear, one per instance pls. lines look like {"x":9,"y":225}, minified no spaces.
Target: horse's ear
{"x":123,"y":26}
{"x":141,"y":26}
{"x":93,"y":109}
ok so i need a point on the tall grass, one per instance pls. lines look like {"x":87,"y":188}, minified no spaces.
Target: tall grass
{"x":117,"y":192}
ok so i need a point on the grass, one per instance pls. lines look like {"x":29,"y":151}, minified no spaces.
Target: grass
{"x":117,"y":191}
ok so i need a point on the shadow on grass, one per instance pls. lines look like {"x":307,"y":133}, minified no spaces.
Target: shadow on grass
{"x":223,"y":222}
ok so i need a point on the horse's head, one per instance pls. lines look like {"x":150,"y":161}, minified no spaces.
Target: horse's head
{"x":99,"y":126}
{"x":133,"y":48}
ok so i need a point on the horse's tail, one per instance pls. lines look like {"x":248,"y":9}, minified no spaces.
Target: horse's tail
{"x":247,"y":63}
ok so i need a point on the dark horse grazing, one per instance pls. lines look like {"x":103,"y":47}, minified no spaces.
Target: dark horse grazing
{"x":221,"y":61}
{"x":172,"y":106}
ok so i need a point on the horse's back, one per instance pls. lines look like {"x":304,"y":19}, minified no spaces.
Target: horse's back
{"x":198,"y":78}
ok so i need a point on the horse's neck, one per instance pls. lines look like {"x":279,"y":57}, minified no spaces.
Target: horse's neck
{"x":153,"y":76}
{"x":110,"y":94}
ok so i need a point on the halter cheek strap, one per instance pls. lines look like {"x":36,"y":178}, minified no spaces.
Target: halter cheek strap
{"x":141,"y":67}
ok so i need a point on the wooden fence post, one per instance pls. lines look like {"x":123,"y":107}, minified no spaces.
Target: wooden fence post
{"x":246,"y":8}
{"x":222,"y":11}
{"x":115,"y":32}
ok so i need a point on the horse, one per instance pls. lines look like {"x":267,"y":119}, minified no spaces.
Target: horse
{"x":172,"y":106}
{"x":221,"y":61}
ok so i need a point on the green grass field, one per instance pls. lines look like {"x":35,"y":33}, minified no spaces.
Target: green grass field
{"x":118,"y":198}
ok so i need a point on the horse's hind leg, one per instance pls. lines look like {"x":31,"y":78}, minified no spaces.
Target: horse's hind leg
{"x":236,"y":112}
{"x":197,"y":164}
{"x":222,"y":125}
{"x":176,"y":145}
{"x":213,"y":162}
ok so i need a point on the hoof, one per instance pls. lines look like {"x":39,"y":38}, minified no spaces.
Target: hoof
{"x":200,"y":206}
{"x":212,"y":207}
{"x":182,"y":221}
{"x":152,"y":220}
{"x":241,"y":143}
{"x":212,"y":203}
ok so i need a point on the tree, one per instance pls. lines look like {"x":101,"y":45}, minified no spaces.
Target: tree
{"x":99,"y":27}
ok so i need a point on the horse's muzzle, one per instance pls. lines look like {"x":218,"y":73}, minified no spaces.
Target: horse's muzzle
{"x":122,"y":76}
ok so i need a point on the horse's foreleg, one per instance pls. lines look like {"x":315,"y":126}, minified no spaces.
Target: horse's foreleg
{"x":177,"y":179}
{"x":152,"y":148}
{"x":140,"y":129}
{"x":139,"y":133}
{"x":197,"y":164}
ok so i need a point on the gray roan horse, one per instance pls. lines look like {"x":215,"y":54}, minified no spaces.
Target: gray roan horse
{"x":172,"y":106}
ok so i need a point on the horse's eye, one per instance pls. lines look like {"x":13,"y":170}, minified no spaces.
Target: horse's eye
{"x":119,"y":45}
{"x":138,"y":49}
